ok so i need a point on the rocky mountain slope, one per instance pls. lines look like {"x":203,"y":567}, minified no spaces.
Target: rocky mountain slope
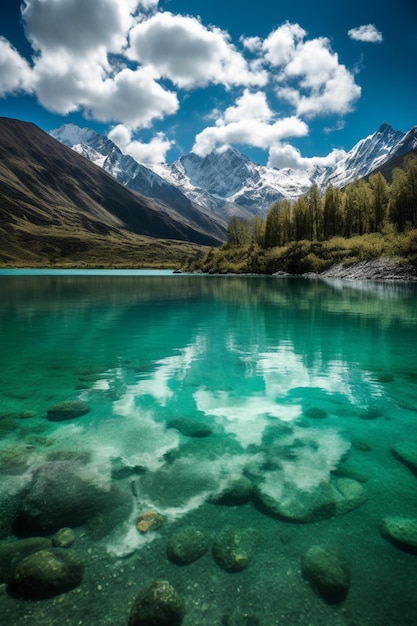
{"x":226,"y":182}
{"x":52,"y":201}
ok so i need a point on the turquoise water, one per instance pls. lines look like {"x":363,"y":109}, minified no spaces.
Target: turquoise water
{"x":288,"y":383}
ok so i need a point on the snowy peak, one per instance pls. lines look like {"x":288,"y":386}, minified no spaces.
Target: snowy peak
{"x":368,"y":154}
{"x":222,"y":172}
{"x":225,"y":182}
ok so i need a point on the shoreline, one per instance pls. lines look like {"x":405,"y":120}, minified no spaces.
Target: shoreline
{"x":379,"y":269}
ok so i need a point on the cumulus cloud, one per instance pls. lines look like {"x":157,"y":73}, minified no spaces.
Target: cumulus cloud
{"x":112,"y":61}
{"x":15,"y":72}
{"x":78,"y":26}
{"x":189,"y":54}
{"x":367,"y":32}
{"x":282,"y":45}
{"x":248,"y":122}
{"x":283,"y":155}
{"x":310,"y":76}
{"x":148,"y":153}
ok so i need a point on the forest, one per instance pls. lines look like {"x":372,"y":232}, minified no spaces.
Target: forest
{"x":368,"y":218}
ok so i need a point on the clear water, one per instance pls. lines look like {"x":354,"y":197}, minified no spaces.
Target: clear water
{"x":293,"y":377}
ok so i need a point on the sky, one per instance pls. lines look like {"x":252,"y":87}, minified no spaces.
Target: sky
{"x":289,"y":84}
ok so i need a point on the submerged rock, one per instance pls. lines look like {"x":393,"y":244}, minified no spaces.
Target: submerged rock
{"x":157,"y":605}
{"x":149,"y":520}
{"x":349,"y":495}
{"x":328,"y":572}
{"x":63,"y":538}
{"x":189,"y":427}
{"x":67,"y":410}
{"x":406,"y":452}
{"x":309,"y":498}
{"x":233,"y":548}
{"x":65,"y":493}
{"x":238,"y":490}
{"x":12,"y":493}
{"x":401,"y":531}
{"x":315,"y":412}
{"x":47,"y":573}
{"x":187,"y":545}
{"x":12,"y":552}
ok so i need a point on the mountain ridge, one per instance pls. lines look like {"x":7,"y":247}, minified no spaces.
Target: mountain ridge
{"x":226,"y":182}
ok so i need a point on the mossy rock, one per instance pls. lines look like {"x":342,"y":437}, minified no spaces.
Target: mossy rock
{"x":157,"y":605}
{"x":47,"y":573}
{"x":12,"y":552}
{"x":233,"y":548}
{"x":187,"y":545}
{"x":328,"y":572}
{"x":68,"y":410}
{"x":400,"y":531}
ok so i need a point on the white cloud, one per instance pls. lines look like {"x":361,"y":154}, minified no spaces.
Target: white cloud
{"x":250,"y":106}
{"x":281,"y":45}
{"x":367,"y":32}
{"x":248,"y":122}
{"x":284,"y":155}
{"x":15,"y":72}
{"x":315,"y":83}
{"x":78,"y":26}
{"x":148,"y":153}
{"x":134,"y":98}
{"x":253,"y":44}
{"x":189,"y":54}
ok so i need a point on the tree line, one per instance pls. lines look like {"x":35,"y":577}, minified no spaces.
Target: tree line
{"x":363,"y":207}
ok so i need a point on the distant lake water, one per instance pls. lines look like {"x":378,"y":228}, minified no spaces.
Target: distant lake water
{"x":283,"y":405}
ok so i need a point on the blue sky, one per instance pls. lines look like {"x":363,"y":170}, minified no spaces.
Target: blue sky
{"x":289,"y":84}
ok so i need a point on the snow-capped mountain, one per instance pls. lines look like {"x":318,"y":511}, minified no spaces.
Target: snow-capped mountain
{"x":226,"y":182}
{"x":104,"y":153}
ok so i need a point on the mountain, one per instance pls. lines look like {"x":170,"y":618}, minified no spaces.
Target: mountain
{"x":103,"y":152}
{"x":53,"y":201}
{"x":227,"y":183}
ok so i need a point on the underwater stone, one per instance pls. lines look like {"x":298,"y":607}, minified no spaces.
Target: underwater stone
{"x":351,"y":469}
{"x":315,"y":412}
{"x":328,"y":572}
{"x":12,"y":552}
{"x":157,"y":605}
{"x":187,"y":545}
{"x":314,"y":502}
{"x":63,"y":538}
{"x":237,"y":491}
{"x":66,"y":493}
{"x":401,"y":531}
{"x":349,"y":495}
{"x":12,"y":493}
{"x":47,"y":573}
{"x":233,"y":548}
{"x":67,"y":410}
{"x":189,"y":427}
{"x":406,"y":452}
{"x":372,"y":413}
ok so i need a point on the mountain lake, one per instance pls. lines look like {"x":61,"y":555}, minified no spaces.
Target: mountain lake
{"x":250,"y":440}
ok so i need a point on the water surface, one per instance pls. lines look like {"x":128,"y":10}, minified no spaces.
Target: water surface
{"x":288,"y":383}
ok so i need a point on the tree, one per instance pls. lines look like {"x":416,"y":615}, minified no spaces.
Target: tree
{"x":315,"y":207}
{"x":379,"y":201}
{"x":238,"y":232}
{"x":333,"y":212}
{"x":301,"y":219}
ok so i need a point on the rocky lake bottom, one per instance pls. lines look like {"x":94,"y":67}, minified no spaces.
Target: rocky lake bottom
{"x":229,"y":452}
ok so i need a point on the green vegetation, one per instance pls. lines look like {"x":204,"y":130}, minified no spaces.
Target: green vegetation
{"x":366,"y":220}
